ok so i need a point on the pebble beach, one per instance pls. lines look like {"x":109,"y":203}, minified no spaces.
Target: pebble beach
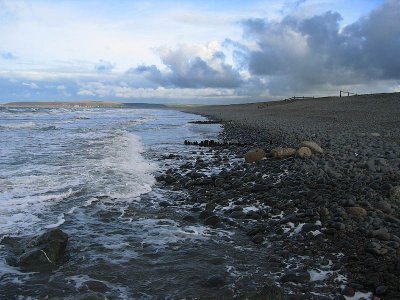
{"x":328,"y":215}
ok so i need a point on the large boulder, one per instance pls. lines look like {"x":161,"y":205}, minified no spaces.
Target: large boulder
{"x":314,"y":147}
{"x":254,"y":155}
{"x":304,"y":152}
{"x":40,"y":253}
{"x":282,"y":152}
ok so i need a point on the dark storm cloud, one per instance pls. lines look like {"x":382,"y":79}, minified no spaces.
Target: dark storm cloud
{"x":184,"y":68}
{"x":302,"y":54}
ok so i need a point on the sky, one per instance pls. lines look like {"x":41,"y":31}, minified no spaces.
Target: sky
{"x":219,"y":51}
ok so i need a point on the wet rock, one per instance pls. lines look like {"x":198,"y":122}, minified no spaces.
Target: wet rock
{"x":282,"y":152}
{"x":205,"y":214}
{"x":164,"y":204}
{"x":41,"y":253}
{"x":314,"y":147}
{"x":357,"y":212}
{"x":96,"y":286}
{"x":309,"y":227}
{"x":348,"y":291}
{"x":304,"y":152}
{"x":237,"y":215}
{"x":254,"y":155}
{"x":169,"y":179}
{"x":296,"y":277}
{"x":212,"y":221}
{"x":189,"y":219}
{"x":215,"y":281}
{"x":258,"y":238}
{"x":380,"y":290}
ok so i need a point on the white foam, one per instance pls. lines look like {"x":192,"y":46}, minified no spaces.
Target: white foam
{"x":319,"y":275}
{"x":360,"y":295}
{"x":60,"y":221}
{"x":24,"y":125}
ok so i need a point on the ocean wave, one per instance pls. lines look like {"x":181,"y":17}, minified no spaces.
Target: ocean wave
{"x":24,"y":125}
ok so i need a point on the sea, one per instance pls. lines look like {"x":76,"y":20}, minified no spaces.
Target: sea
{"x":91,"y":173}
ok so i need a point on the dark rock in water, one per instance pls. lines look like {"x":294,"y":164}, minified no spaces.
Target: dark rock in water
{"x":296,"y":277}
{"x":189,"y":219}
{"x":40,"y":253}
{"x":164,"y":204}
{"x":309,"y":227}
{"x":348,"y":291}
{"x":380,"y":290}
{"x":96,"y":286}
{"x":258,"y":238}
{"x":212,"y":221}
{"x":169,"y":179}
{"x":268,"y":292}
{"x":205,"y":214}
{"x":237,"y":214}
{"x":215,"y":281}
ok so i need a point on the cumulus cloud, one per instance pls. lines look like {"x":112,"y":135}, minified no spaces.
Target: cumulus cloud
{"x":104,"y":66}
{"x":192,"y":66}
{"x":316,"y":52}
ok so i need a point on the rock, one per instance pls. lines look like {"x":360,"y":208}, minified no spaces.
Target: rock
{"x":96,"y":286}
{"x":254,"y":155}
{"x":282,"y":152}
{"x":304,"y":152}
{"x":169,"y":179}
{"x":348,"y":291}
{"x":395,"y":194}
{"x":205,"y":214}
{"x":384,"y":206}
{"x":164,"y":204}
{"x":43,"y":252}
{"x":375,"y":134}
{"x":381,"y":234}
{"x":296,"y":277}
{"x":309,"y":227}
{"x":380,"y":290}
{"x":314,"y":147}
{"x":375,"y":248}
{"x":237,"y":215}
{"x":357,"y":212}
{"x":215,"y":280}
{"x":212,"y":221}
{"x":258,"y":238}
{"x":189,"y":219}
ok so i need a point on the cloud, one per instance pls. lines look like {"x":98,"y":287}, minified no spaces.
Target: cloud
{"x":104,"y":66}
{"x":32,"y":85}
{"x":113,"y":90}
{"x":7,"y":55}
{"x":192,"y":66}
{"x":297,"y":55}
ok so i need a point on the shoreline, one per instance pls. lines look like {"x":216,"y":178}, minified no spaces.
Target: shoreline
{"x":348,"y":194}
